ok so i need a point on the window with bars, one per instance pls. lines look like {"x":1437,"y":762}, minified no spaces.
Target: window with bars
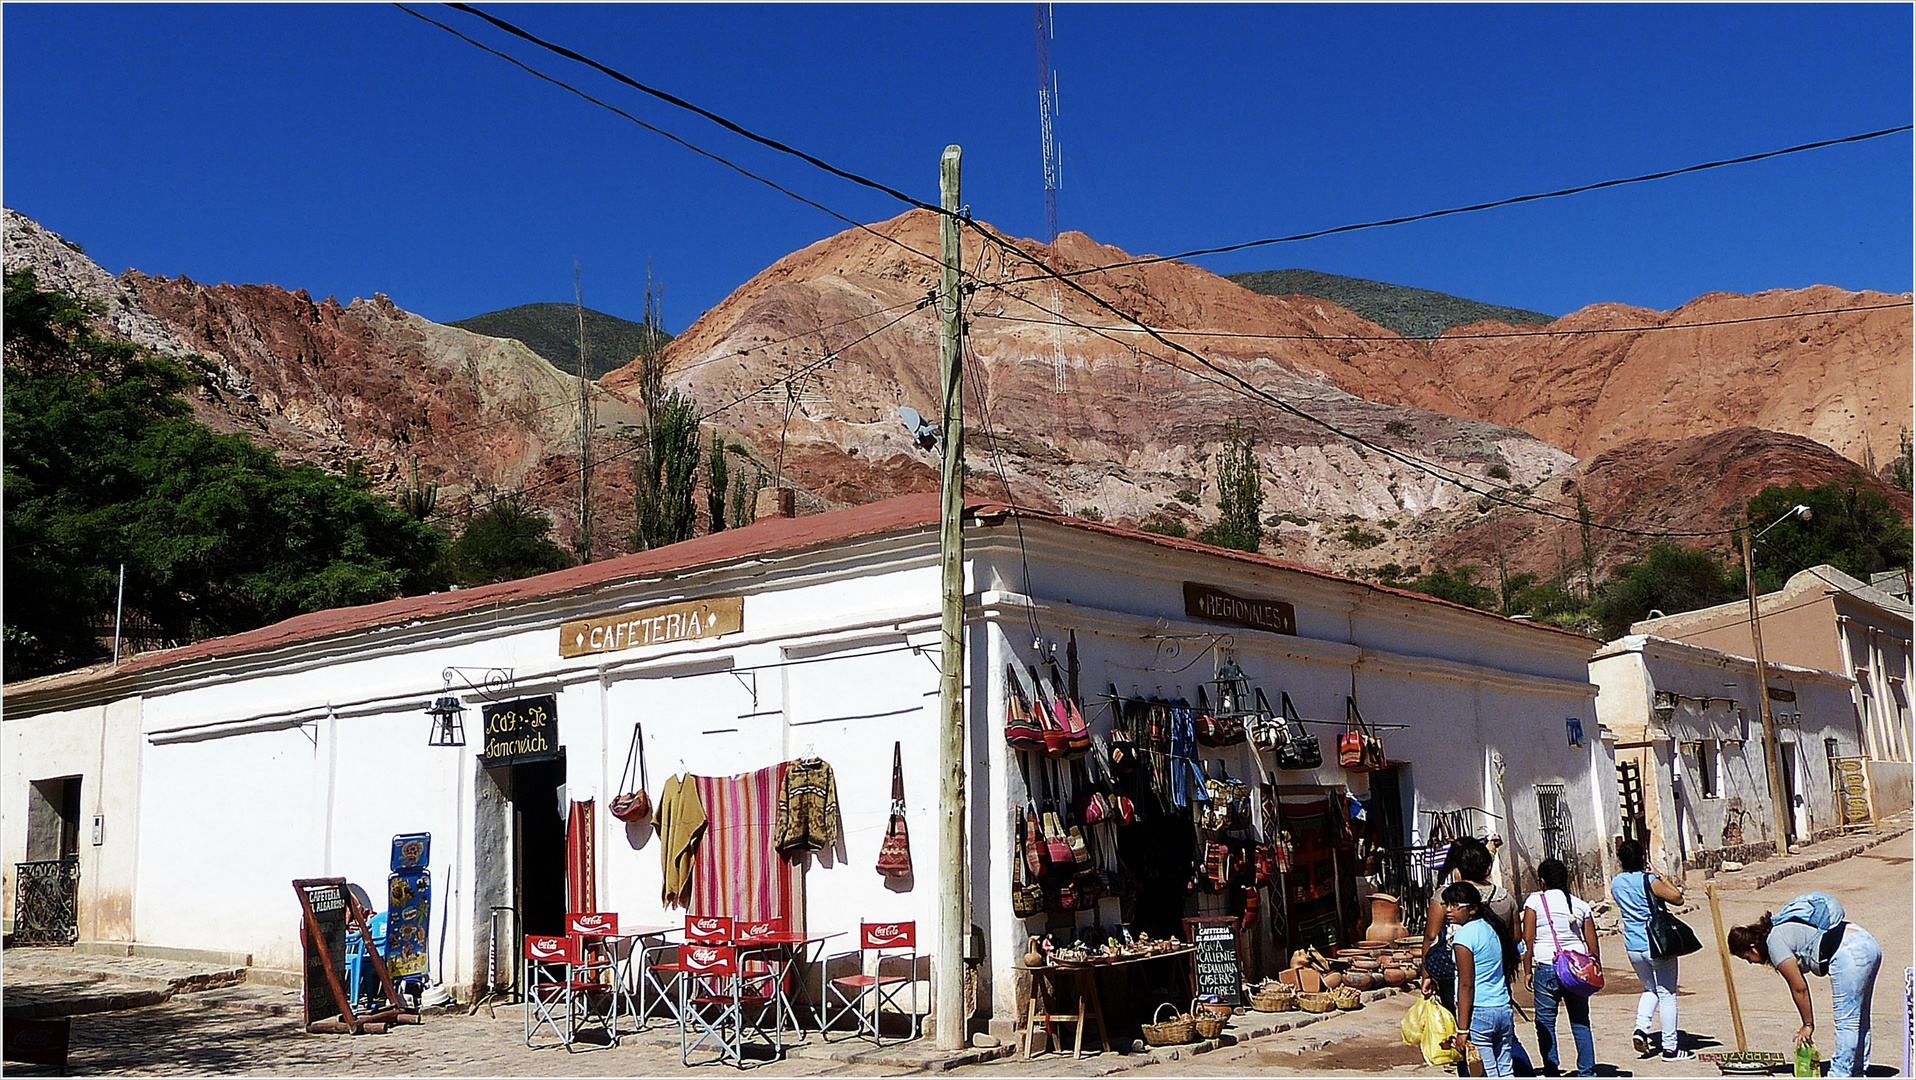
{"x":1553,"y":819}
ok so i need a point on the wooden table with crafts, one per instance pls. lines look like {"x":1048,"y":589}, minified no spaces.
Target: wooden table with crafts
{"x":1056,"y":984}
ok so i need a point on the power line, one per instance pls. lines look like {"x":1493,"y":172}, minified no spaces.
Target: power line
{"x":680,"y":102}
{"x":1474,"y":207}
{"x":1460,"y":337}
{"x":1244,"y":388}
{"x":702,"y":152}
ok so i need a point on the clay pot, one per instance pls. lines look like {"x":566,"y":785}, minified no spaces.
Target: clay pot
{"x":1034,"y":956}
{"x":1333,"y":981}
{"x":1386,"y":919}
{"x":1362,"y":980}
{"x":1396,"y":976}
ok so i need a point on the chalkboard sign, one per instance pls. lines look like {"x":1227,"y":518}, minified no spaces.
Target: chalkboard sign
{"x":521,"y":731}
{"x":1216,"y":963}
{"x":325,"y":904}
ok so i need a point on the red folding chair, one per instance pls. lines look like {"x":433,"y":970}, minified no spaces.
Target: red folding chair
{"x":699,"y":930}
{"x":715,"y":997}
{"x":557,"y":992}
{"x":887,"y":962}
{"x":602,"y":965}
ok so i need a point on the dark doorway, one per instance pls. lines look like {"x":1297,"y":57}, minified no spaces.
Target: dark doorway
{"x":538,"y":845}
{"x":47,"y":885}
{"x":53,"y":819}
{"x":1792,"y":798}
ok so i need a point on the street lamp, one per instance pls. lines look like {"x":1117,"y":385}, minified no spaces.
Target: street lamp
{"x":1771,"y":757}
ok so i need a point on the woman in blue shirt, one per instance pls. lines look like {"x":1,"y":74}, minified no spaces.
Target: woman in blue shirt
{"x":1486,"y":957}
{"x":1632,"y":890}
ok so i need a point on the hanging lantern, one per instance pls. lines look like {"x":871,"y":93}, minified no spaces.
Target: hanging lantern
{"x":1665,"y":706}
{"x":1233,"y":690}
{"x":448,"y":722}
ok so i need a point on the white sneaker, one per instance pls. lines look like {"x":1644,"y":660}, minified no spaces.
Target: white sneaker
{"x":1678,"y":1055}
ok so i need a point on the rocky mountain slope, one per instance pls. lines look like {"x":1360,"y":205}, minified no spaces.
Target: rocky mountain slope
{"x":1071,"y":407}
{"x":552,"y":331}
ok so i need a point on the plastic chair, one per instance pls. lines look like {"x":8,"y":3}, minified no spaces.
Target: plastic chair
{"x":600,"y":966}
{"x":887,"y":946}
{"x":715,"y":997}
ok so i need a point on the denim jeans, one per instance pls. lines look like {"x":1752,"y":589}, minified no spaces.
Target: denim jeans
{"x":1547,"y":993}
{"x":1494,"y":1031}
{"x":1852,"y":982}
{"x":1659,"y":979}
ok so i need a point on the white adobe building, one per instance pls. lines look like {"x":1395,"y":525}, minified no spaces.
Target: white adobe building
{"x":193,"y":785}
{"x":1689,"y":737}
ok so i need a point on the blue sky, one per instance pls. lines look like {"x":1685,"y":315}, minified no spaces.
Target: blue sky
{"x":349,"y":149}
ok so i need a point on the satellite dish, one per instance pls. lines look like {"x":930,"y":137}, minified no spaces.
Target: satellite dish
{"x":923,"y":432}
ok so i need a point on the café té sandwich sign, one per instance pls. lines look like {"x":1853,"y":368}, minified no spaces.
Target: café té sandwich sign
{"x":694,"y":620}
{"x":1215,"y":605}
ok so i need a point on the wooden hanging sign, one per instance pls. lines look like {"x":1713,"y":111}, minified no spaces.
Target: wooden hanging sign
{"x":694,"y":620}
{"x":1213,"y":604}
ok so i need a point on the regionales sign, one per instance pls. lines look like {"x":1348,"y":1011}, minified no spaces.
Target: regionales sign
{"x":691,"y":621}
{"x":1215,"y":605}
{"x":521,"y":731}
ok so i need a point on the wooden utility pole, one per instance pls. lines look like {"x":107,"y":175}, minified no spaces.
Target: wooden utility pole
{"x":948,"y":995}
{"x":1771,"y":755}
{"x":1729,"y":980}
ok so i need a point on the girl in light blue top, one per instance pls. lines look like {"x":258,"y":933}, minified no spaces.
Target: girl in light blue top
{"x":1486,"y":956}
{"x":1658,"y":975}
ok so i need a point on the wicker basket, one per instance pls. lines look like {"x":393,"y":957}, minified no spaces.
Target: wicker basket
{"x":1316,"y":1003}
{"x":1274,"y":997}
{"x":1208,"y":1025}
{"x":1347,"y":999}
{"x":1179,"y":1029}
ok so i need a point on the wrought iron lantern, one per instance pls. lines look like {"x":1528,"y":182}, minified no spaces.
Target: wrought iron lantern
{"x":448,"y":722}
{"x":1233,"y":696}
{"x":1665,"y":707}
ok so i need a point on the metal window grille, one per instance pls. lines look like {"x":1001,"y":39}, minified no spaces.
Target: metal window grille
{"x":1553,"y":819}
{"x":46,"y":897}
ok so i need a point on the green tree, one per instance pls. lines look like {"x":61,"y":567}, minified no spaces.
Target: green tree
{"x":716,"y":479}
{"x":745,"y":498}
{"x":667,"y":465}
{"x":1902,"y":471}
{"x":1240,"y":494}
{"x":104,"y":466}
{"x":1669,"y":578}
{"x":1852,"y":526}
{"x":1455,"y":585}
{"x":504,"y":542}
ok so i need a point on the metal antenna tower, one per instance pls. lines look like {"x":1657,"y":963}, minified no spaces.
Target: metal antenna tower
{"x":1047,"y":110}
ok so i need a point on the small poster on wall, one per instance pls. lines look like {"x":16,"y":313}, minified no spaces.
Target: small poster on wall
{"x":409,"y":907}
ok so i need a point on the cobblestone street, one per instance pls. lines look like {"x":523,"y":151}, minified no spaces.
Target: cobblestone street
{"x":233,"y":1030}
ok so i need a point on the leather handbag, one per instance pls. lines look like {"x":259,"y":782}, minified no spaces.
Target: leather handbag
{"x":1577,"y":971}
{"x":894,"y":854}
{"x":1300,"y":749}
{"x":633,"y":806}
{"x":1669,"y":935}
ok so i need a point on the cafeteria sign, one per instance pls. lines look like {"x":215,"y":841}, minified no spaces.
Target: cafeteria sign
{"x":521,"y":731}
{"x":662,"y":625}
{"x":1216,"y":605}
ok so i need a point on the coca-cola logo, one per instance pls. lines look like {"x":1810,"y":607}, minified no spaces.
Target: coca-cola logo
{"x":880,"y":935}
{"x":593,"y":924}
{"x":546,"y":948}
{"x":707,"y":959}
{"x":760,"y":929}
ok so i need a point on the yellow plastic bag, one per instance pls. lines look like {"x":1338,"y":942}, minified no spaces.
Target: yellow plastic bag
{"x":1430,"y":1027}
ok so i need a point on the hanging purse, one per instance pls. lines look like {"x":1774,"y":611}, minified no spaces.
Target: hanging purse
{"x":1022,"y":731}
{"x":1037,"y":858}
{"x":1300,"y":749}
{"x":894,"y":854}
{"x":1264,"y":729}
{"x":1027,"y":896}
{"x":1060,"y":861}
{"x":633,"y":805}
{"x":1577,"y":971}
{"x":1354,"y":746}
{"x":1123,"y":754}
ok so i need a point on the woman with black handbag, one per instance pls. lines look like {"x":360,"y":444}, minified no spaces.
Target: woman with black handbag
{"x":1638,"y":892}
